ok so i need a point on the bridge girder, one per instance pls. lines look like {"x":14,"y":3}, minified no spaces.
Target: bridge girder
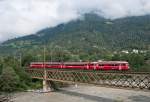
{"x":113,"y":79}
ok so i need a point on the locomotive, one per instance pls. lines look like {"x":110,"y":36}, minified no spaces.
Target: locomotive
{"x":100,"y":65}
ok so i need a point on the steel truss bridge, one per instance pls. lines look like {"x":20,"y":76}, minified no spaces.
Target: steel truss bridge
{"x":134,"y":80}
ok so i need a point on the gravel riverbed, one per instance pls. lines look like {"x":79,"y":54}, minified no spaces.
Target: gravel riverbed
{"x":84,"y":93}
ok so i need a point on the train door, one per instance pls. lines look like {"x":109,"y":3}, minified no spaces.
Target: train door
{"x":101,"y":66}
{"x":120,"y":66}
{"x":125,"y":66}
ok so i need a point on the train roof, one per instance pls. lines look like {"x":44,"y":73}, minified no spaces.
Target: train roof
{"x":46,"y":62}
{"x":112,"y":62}
{"x":75,"y":63}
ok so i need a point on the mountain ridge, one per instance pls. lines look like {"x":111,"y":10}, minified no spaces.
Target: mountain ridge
{"x":92,"y":32}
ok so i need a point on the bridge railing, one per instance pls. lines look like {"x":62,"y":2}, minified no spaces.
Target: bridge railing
{"x":114,"y":79}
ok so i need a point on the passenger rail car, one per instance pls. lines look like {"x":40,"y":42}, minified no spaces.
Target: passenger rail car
{"x":102,"y":65}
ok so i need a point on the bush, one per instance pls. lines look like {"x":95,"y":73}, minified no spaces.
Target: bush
{"x":9,"y":81}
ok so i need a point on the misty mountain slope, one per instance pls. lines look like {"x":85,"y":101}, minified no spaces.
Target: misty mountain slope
{"x":92,"y":32}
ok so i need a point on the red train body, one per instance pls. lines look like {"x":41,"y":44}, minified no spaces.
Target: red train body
{"x":102,"y":65}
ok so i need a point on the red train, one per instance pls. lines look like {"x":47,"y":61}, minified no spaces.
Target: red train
{"x":101,"y":65}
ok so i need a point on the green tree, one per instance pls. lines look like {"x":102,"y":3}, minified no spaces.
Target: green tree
{"x":23,"y":77}
{"x":27,"y":59}
{"x":9,"y":80}
{"x":116,"y":57}
{"x":136,"y":61}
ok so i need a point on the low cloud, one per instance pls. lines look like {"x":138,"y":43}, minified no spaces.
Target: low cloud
{"x":23,"y":17}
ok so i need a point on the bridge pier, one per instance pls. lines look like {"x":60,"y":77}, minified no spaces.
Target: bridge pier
{"x":49,"y":86}
{"x":45,"y":86}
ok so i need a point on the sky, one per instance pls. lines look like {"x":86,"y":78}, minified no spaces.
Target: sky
{"x":24,"y":17}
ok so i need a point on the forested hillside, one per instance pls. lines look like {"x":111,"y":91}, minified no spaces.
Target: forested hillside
{"x":90,"y":33}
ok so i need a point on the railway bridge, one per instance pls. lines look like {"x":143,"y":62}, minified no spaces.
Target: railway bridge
{"x":131,"y":80}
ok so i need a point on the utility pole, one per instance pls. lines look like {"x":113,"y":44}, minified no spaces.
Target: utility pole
{"x":45,"y":87}
{"x":51,"y":53}
{"x":61,"y":54}
{"x":20,"y":60}
{"x":44,"y":51}
{"x":14,"y":58}
{"x":20,"y":57}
